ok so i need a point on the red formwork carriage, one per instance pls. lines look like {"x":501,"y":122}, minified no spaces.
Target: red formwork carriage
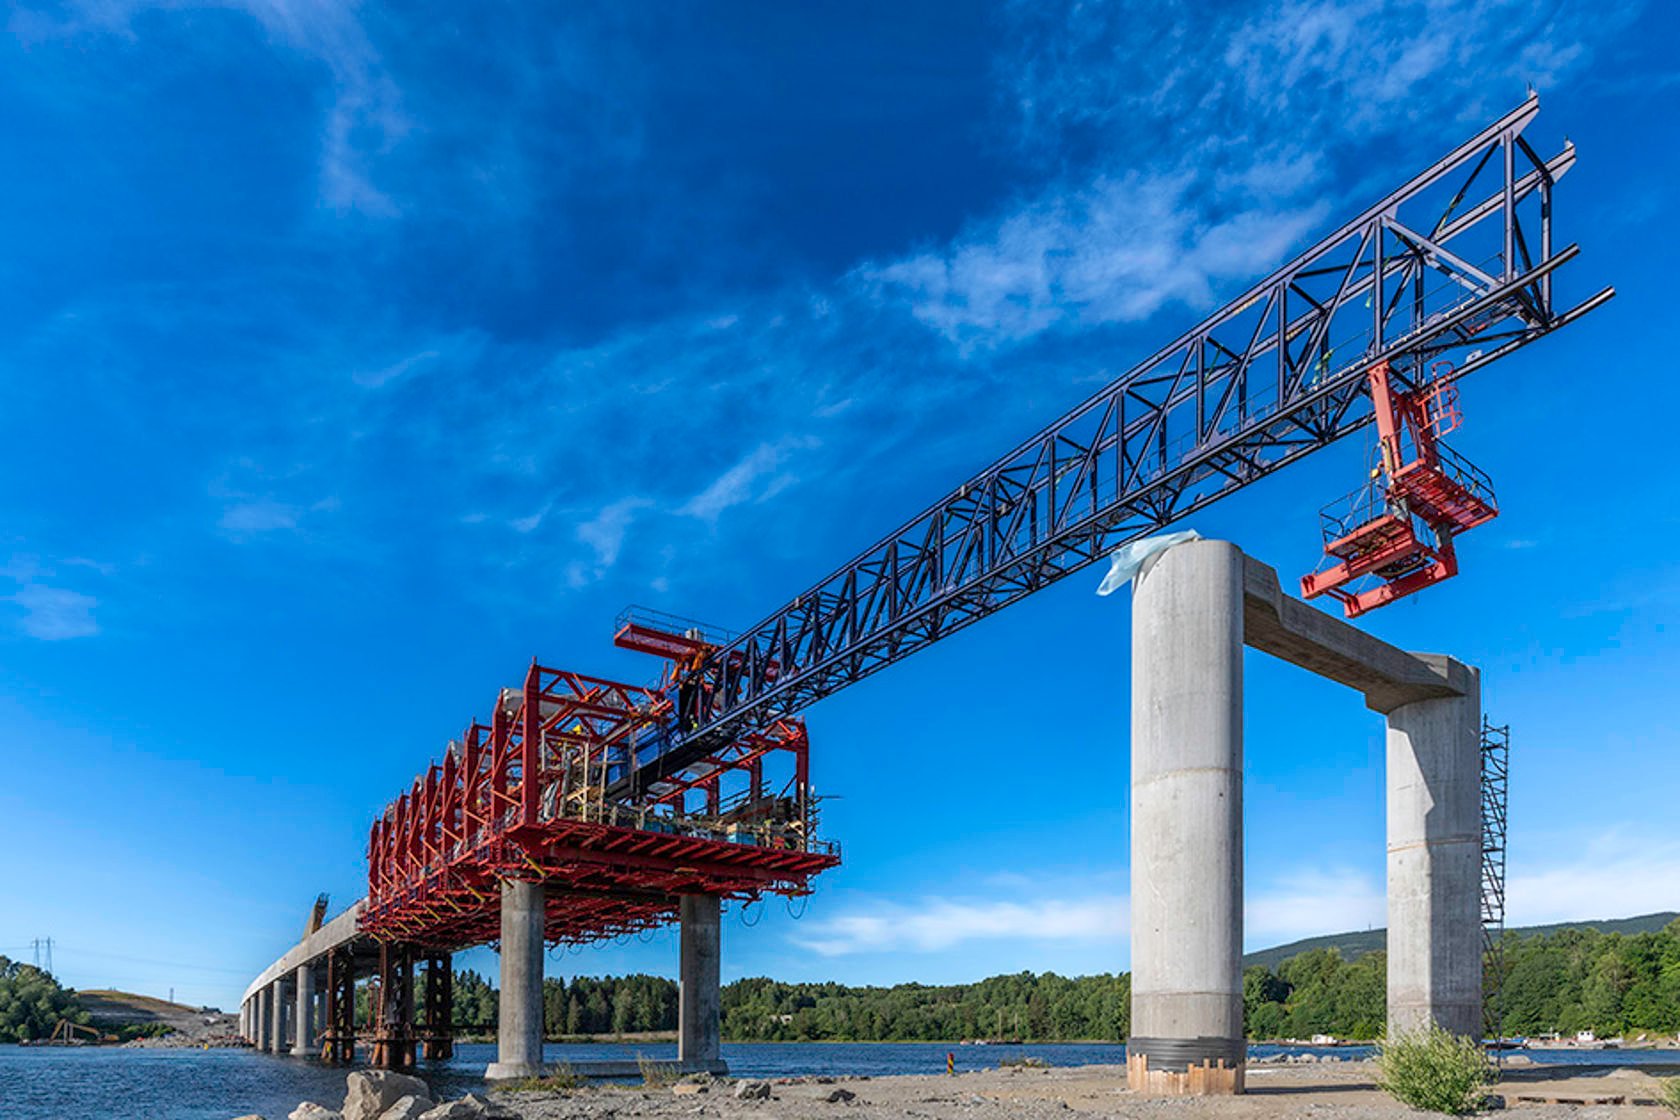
{"x":563,"y":787}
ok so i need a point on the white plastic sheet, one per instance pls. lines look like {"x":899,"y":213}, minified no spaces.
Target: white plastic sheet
{"x":1124,"y":562}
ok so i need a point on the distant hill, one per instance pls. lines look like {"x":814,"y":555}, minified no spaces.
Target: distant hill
{"x":1357,"y":944}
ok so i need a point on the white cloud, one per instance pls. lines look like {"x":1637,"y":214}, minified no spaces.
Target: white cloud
{"x":605,"y":531}
{"x":365,"y":119}
{"x":1186,"y":163}
{"x":1311,"y":902}
{"x":934,"y":924}
{"x":54,"y":613}
{"x":1116,"y":251}
{"x":1614,"y":876}
{"x":374,"y":379}
{"x":263,"y":516}
{"x":756,"y":477}
{"x":604,"y":534}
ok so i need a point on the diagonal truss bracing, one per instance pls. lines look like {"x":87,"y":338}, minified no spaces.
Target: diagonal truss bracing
{"x":1457,"y":265}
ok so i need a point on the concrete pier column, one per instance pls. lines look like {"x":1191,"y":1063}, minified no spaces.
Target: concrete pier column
{"x":519,"y":1027}
{"x":277,"y":1018}
{"x":698,"y":1004}
{"x":303,"y":1036}
{"x":1434,"y":862}
{"x":1187,"y":824}
{"x":259,"y":1019}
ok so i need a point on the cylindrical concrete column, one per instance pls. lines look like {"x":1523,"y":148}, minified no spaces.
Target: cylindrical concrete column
{"x":698,"y":1004}
{"x":277,"y":1018}
{"x":263,"y":1024}
{"x":1187,"y":852}
{"x":1434,"y":864}
{"x":519,"y":1026}
{"x":303,"y":1041}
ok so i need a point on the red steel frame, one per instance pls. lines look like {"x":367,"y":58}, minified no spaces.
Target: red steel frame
{"x":1425,"y":487}
{"x":501,"y":806}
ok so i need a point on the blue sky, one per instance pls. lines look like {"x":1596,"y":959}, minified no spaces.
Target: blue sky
{"x":350,"y":357}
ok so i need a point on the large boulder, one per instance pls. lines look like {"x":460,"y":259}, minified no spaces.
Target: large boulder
{"x":470,"y":1107}
{"x":373,"y":1091}
{"x":410,"y":1107}
{"x":309,"y":1110}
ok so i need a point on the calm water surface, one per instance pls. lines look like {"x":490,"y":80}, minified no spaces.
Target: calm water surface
{"x":87,"y":1083}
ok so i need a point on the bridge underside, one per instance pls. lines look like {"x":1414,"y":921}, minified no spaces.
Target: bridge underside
{"x":599,"y":881}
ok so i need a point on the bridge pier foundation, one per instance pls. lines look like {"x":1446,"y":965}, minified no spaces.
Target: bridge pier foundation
{"x":1186,"y":815}
{"x":698,"y":1004}
{"x":303,"y":1042}
{"x":519,"y":1026}
{"x":1434,"y":864}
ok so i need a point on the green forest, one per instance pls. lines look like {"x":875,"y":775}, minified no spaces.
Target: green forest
{"x":1569,"y":980}
{"x":32,"y":1003}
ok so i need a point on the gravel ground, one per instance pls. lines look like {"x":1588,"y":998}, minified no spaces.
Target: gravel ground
{"x":1334,"y":1089}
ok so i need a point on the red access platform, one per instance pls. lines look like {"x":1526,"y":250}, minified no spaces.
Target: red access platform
{"x":1394,"y":536}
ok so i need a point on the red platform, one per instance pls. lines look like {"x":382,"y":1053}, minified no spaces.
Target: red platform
{"x":540,"y":795}
{"x":1395,"y":535}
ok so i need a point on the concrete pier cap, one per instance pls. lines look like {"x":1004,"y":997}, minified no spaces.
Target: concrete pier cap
{"x":1196,"y":605}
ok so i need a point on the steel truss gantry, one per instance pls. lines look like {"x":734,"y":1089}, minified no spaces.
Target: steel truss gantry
{"x":1457,"y":264}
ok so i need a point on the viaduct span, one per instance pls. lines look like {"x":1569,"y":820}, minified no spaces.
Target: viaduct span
{"x":586,"y":808}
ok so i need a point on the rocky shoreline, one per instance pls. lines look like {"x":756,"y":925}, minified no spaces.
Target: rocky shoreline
{"x":1328,"y":1088}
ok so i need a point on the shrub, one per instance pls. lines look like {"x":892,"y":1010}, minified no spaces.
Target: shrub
{"x":562,"y":1078}
{"x":1669,"y":1094}
{"x":1434,"y":1070}
{"x":656,"y":1075}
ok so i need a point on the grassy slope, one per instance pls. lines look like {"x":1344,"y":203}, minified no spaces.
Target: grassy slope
{"x":1353,"y":945}
{"x":125,"y":1007}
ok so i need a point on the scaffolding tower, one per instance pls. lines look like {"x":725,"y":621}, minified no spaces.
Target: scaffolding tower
{"x":1496,"y":779}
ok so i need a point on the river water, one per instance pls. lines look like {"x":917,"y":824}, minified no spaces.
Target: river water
{"x":112,"y":1083}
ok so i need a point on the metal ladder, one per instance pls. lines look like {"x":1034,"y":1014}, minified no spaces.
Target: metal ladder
{"x":1496,"y":781}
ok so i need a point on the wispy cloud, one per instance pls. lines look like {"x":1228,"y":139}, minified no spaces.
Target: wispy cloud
{"x":1188,"y":163}
{"x":1310,"y":902}
{"x":251,"y":518}
{"x":1118,"y":250}
{"x":934,"y":924}
{"x":757,"y":477}
{"x":365,"y":119}
{"x":604,"y":534}
{"x":1614,"y":875}
{"x":55,"y":613}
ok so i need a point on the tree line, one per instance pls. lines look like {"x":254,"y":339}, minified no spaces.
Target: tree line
{"x":1565,"y":981}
